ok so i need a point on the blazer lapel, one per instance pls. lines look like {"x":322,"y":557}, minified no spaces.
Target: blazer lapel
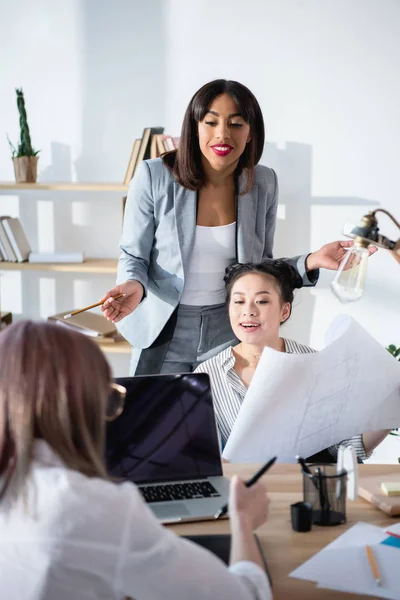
{"x":246,"y":222}
{"x":185,"y":204}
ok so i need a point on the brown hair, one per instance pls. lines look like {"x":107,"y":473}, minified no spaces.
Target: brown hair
{"x":186,"y":164}
{"x":54,"y":384}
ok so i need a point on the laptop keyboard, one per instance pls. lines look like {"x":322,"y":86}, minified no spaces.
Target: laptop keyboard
{"x":178,"y":491}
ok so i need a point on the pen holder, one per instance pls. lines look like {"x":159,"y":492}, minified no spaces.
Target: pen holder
{"x":325,"y":490}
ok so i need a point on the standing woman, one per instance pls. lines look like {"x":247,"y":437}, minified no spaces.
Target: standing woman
{"x":188,"y":216}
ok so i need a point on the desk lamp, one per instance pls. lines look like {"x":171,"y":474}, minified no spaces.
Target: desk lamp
{"x":348,"y":284}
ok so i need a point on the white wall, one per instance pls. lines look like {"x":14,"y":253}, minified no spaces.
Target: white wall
{"x":96,"y":73}
{"x":93,"y":75}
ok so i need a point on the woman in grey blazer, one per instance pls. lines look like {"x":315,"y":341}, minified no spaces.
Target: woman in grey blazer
{"x":187,"y":217}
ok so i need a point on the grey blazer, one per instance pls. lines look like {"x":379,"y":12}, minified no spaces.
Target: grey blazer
{"x":158,"y":236}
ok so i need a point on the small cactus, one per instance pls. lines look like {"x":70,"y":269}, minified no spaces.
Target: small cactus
{"x":25,"y":145}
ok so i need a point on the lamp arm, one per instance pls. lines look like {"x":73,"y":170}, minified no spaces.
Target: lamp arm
{"x":396,"y":251}
{"x":382,"y":210}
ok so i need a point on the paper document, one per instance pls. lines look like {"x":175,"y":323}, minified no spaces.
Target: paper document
{"x":303,"y":403}
{"x":343,"y":565}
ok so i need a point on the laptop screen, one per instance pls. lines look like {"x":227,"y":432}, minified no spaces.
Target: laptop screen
{"x":167,"y":430}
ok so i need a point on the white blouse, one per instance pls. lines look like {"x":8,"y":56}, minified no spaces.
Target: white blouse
{"x":213,"y":250}
{"x":86,"y":538}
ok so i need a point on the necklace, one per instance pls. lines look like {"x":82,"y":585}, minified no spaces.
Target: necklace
{"x":251,"y":358}
{"x":254,"y":356}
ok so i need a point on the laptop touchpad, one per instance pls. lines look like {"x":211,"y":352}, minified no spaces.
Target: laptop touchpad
{"x":176,"y":511}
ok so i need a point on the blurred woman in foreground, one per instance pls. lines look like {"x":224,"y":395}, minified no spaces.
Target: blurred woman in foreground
{"x":66,"y":530}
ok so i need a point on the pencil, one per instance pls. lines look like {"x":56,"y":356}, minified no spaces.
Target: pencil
{"x":373,"y":565}
{"x":76,"y":312}
{"x":303,"y":464}
{"x":393,"y":534}
{"x":224,"y":509}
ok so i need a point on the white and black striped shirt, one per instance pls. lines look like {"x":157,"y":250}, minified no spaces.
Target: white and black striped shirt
{"x":229,"y":391}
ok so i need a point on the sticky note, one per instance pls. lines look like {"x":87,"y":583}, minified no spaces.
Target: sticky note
{"x":392,"y":541}
{"x":391,"y":489}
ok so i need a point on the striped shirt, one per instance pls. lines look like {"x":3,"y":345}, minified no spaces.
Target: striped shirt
{"x":229,"y":391}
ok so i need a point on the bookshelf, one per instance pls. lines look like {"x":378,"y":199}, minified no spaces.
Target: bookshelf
{"x":66,"y":187}
{"x":89,"y":265}
{"x":119,"y":347}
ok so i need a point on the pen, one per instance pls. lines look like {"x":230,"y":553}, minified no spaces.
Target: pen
{"x":303,"y":464}
{"x":393,"y":534}
{"x":373,"y":565}
{"x":323,"y":496}
{"x":224,"y":509}
{"x":307,"y":471}
{"x":76,"y":312}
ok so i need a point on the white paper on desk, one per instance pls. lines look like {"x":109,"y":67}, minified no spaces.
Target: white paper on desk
{"x":303,"y":403}
{"x":343,"y":564}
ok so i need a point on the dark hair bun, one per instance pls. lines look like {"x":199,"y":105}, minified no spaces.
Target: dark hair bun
{"x":286,"y":273}
{"x":236,"y":269}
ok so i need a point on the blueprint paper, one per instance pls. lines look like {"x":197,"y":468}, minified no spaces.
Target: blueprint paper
{"x":303,"y":403}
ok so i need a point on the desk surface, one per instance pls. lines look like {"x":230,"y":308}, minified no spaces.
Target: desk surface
{"x":285,"y":549}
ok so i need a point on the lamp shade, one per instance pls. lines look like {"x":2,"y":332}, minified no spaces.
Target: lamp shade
{"x":348,"y":285}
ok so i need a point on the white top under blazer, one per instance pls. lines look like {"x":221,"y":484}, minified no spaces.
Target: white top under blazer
{"x":213,"y":251}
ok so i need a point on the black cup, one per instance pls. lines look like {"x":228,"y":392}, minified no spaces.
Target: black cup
{"x":325,"y":490}
{"x":301,"y":514}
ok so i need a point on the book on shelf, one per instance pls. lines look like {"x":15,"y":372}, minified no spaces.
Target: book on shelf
{"x":165,"y":143}
{"x":5,"y":244}
{"x":56,"y":257}
{"x":17,"y":238}
{"x":88,"y":323}
{"x":152,"y":144}
{"x":130,"y":171}
{"x":145,"y":145}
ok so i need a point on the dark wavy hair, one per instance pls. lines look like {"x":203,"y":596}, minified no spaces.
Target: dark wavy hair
{"x":186,"y":164}
{"x":286,"y":277}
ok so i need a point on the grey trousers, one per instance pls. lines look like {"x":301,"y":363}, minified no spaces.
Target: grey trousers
{"x":192,"y":335}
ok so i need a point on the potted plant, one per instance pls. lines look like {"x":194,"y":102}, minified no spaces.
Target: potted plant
{"x":396,"y":353}
{"x":25,"y":158}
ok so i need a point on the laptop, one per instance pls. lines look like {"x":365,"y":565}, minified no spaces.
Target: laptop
{"x":166,"y":442}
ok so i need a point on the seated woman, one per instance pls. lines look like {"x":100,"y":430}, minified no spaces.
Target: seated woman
{"x":67,"y":531}
{"x":260,"y":298}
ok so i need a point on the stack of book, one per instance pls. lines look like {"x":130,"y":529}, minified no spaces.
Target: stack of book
{"x":14,"y":245}
{"x":152,"y":144}
{"x":92,"y":324}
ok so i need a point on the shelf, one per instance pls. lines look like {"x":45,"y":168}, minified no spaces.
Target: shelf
{"x":66,"y":187}
{"x":90,"y":265}
{"x":121,"y":347}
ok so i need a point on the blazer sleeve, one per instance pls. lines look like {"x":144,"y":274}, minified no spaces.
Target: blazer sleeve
{"x":310,"y":278}
{"x":138,"y":229}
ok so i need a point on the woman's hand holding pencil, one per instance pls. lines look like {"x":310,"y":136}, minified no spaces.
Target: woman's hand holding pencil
{"x":115,"y":309}
{"x":251,"y":503}
{"x":85,"y":308}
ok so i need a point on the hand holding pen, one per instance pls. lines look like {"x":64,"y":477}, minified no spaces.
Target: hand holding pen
{"x":238,"y":496}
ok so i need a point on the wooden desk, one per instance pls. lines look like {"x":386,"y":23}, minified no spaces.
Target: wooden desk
{"x":285,"y":549}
